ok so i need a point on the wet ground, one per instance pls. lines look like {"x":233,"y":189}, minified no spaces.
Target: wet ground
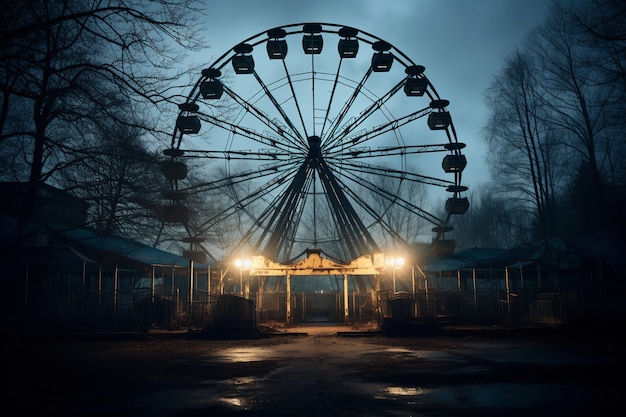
{"x":313,"y":371}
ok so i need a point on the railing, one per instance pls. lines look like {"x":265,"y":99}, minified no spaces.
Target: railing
{"x":59,"y":309}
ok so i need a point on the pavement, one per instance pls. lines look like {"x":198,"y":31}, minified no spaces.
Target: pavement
{"x":467,"y":371}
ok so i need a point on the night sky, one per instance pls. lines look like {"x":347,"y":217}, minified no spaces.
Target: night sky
{"x":462,"y":43}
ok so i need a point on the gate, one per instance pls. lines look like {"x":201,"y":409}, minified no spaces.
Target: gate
{"x":321,"y":306}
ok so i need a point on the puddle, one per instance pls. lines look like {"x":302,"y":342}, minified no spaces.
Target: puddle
{"x":403,"y":391}
{"x":244,"y":380}
{"x":236,"y":402}
{"x":505,"y":396}
{"x":433,"y":355}
{"x":238,"y":355}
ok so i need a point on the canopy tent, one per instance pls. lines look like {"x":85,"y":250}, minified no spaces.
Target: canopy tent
{"x":570,"y":252}
{"x":109,"y":249}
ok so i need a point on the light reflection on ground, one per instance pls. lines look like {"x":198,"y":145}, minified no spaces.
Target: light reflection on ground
{"x":432,"y":355}
{"x":233,"y":402}
{"x":403,"y":391}
{"x":504,"y":396}
{"x":244,"y":380}
{"x":251,"y":354}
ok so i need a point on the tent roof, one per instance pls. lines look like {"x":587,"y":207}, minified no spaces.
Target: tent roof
{"x":110,"y":249}
{"x":607,"y":244}
{"x":469,"y":258}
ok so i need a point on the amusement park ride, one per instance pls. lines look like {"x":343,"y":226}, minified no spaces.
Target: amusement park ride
{"x":320,"y":147}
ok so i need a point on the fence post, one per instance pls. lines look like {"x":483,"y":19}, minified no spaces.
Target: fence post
{"x":173,"y":280}
{"x":475,"y":297}
{"x":190,"y":272}
{"x":414,"y":292}
{"x":288,"y":301}
{"x":26,"y":291}
{"x":247,"y":286}
{"x":508,"y":292}
{"x":152,"y":286}
{"x":83,"y":304}
{"x":115,"y":278}
{"x":427,"y":295}
{"x":100,"y":292}
{"x":345,"y":298}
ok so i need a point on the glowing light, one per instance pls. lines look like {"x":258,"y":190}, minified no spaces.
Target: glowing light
{"x":243,"y":263}
{"x":395,"y":262}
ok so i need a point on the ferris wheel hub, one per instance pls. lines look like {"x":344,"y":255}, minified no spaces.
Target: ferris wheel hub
{"x":314,"y":141}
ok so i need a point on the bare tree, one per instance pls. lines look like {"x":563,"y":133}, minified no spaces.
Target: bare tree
{"x":577,"y":98}
{"x":558,"y":119}
{"x":524,"y":147}
{"x":122,"y":182}
{"x":65,"y":64}
{"x":494,"y":221}
{"x":602,"y":27}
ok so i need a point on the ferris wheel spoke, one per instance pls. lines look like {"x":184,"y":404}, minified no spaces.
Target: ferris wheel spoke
{"x":263,"y":154}
{"x":353,"y":227}
{"x":388,"y":172}
{"x":243,"y":177}
{"x":239,"y":203}
{"x":280,"y":109}
{"x":377,"y":216}
{"x":244,"y":132}
{"x":348,"y":105}
{"x":295,"y":99}
{"x":331,"y":97}
{"x":366,"y":135}
{"x":388,"y":196}
{"x":346,"y":233}
{"x":283,"y":133}
{"x":280,"y":224}
{"x":268,"y":216}
{"x":285,"y":239}
{"x":375,"y":106}
{"x":367,"y":152}
{"x":261,"y":225}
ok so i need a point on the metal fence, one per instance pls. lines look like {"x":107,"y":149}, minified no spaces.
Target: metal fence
{"x":98,"y":299}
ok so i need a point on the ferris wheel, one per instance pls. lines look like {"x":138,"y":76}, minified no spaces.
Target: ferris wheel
{"x":313,"y":136}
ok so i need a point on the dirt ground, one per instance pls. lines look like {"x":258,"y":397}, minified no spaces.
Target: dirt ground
{"x":313,"y":371}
